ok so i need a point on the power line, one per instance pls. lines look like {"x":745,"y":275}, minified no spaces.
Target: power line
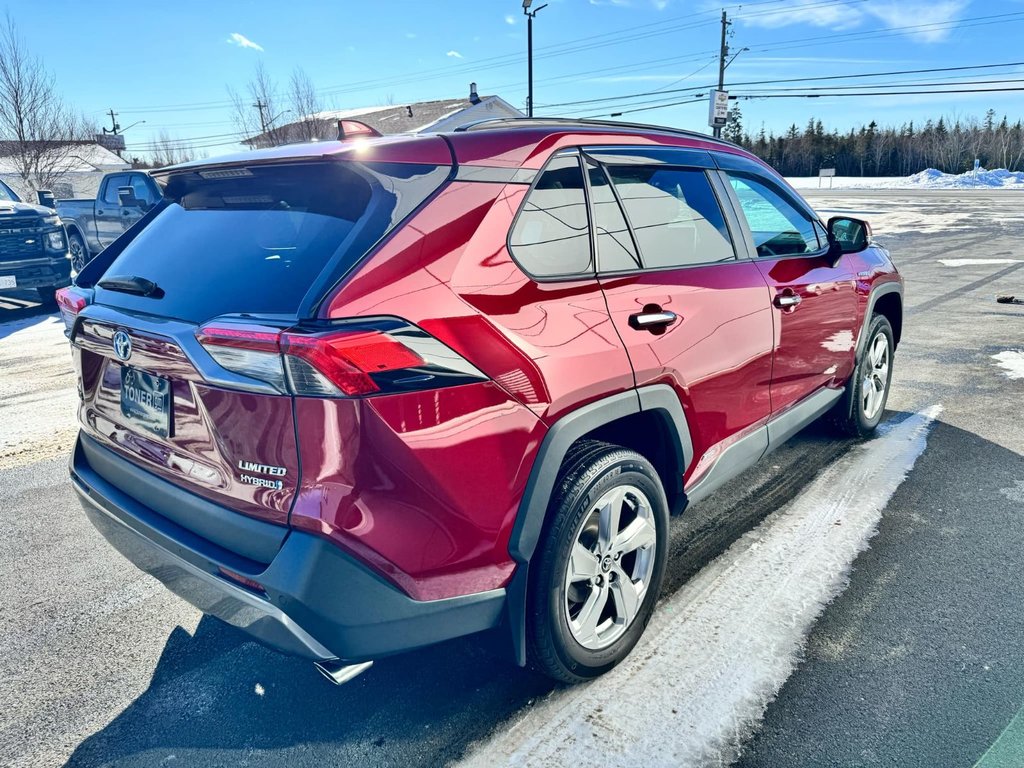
{"x":892,"y":73}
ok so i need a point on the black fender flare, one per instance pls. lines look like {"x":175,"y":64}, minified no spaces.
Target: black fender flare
{"x":659,"y":399}
{"x":892,"y":286}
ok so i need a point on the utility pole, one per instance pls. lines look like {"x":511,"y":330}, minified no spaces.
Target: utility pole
{"x":529,"y":51}
{"x":113,"y":122}
{"x":263,"y":120}
{"x":722,"y":56}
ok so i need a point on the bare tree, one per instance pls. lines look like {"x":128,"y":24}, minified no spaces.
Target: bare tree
{"x":169,"y":151}
{"x":38,"y":131}
{"x":258,"y":110}
{"x":306,"y":107}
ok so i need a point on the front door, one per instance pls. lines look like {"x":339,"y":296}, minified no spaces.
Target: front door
{"x":814,"y":298}
{"x":691,"y":311}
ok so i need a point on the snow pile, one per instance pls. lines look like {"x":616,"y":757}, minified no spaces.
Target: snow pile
{"x":930,"y":178}
{"x":1012,"y":363}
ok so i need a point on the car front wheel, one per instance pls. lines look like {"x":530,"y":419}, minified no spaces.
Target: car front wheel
{"x":601,"y":563}
{"x":860,"y":409}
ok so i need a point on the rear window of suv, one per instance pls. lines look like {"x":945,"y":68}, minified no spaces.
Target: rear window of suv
{"x":264,"y":239}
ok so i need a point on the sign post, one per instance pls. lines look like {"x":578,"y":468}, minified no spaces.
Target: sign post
{"x":826,"y":173}
{"x":718,"y":109}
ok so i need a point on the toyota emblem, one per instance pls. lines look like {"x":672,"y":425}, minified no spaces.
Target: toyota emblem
{"x":122,"y":345}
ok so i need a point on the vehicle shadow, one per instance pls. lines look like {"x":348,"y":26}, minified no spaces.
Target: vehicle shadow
{"x":217,"y":699}
{"x":19,"y":310}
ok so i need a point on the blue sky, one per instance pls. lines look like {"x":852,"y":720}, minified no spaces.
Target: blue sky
{"x":170,"y":63}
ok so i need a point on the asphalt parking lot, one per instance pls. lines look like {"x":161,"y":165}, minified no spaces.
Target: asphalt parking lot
{"x":918,"y":661}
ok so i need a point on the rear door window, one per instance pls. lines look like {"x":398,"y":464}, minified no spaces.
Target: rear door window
{"x":778,"y":227}
{"x":674,"y":214}
{"x":616,"y":251}
{"x":551,"y":235}
{"x":266,"y":239}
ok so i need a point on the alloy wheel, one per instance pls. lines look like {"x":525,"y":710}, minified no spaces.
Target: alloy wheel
{"x":610,"y":567}
{"x":77,"y":254}
{"x":875,"y":376}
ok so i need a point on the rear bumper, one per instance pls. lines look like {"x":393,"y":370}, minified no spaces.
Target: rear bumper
{"x":318,"y":602}
{"x":41,"y":272}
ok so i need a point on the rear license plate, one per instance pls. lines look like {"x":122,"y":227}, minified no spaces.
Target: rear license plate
{"x":146,"y":400}
{"x":8,"y":281}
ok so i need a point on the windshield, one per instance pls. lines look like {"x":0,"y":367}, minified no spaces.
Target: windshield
{"x":7,"y":194}
{"x":259,"y":240}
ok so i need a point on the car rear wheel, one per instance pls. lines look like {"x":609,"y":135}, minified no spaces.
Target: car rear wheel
{"x":860,"y":409}
{"x":79,"y":253}
{"x":602,"y":559}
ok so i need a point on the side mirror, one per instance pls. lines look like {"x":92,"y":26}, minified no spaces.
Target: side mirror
{"x":846,"y":235}
{"x":46,"y":198}
{"x":127,"y":199}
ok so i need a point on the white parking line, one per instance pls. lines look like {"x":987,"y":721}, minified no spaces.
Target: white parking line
{"x":975,"y":262}
{"x":718,"y":651}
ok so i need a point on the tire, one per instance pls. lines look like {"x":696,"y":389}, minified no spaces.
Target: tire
{"x":860,"y":410}
{"x":581,"y":618}
{"x":79,"y":252}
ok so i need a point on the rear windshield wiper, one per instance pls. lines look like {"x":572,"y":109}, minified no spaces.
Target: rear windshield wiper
{"x":138,"y":286}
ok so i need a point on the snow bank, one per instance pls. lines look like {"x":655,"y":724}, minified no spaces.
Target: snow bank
{"x":930,"y":178}
{"x":997,"y":179}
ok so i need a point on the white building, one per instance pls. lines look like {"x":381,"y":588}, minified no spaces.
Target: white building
{"x":80,"y":169}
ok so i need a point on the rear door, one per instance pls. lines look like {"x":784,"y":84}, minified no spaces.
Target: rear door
{"x":693,"y":311}
{"x":814,"y":299}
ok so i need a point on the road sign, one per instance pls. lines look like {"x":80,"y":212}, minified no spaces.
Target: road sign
{"x":826,"y":173}
{"x":718,"y":109}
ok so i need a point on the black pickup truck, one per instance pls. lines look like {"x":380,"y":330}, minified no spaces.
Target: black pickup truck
{"x":33,"y":247}
{"x":124,"y":198}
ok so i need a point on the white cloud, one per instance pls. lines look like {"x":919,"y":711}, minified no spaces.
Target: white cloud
{"x":510,"y":20}
{"x":454,"y":54}
{"x":660,"y":5}
{"x":619,"y":3}
{"x":242,"y":41}
{"x":913,"y":14}
{"x":890,"y":12}
{"x":410,"y":35}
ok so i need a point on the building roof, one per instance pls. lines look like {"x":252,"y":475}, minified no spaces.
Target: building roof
{"x":84,"y":156}
{"x":415,"y":117}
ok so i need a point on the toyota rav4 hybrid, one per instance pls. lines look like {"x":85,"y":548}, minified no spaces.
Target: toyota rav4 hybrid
{"x":359,"y":397}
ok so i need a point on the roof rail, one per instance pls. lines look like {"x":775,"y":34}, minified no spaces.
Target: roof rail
{"x":541,"y":122}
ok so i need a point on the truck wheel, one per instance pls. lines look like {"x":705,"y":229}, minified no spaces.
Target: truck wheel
{"x":79,"y":253}
{"x":861,"y":407}
{"x":600,"y":564}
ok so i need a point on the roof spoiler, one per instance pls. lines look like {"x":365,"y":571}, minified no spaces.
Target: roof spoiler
{"x":351,"y":129}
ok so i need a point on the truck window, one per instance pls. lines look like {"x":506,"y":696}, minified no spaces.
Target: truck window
{"x":110,"y":191}
{"x":143,"y":191}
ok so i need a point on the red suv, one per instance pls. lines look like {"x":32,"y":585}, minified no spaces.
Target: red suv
{"x":360,"y":397}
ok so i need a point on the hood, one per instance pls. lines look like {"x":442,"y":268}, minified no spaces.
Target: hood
{"x":8,"y":208}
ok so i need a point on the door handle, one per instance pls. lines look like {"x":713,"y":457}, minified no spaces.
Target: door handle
{"x":99,"y":213}
{"x":787,"y":300}
{"x":654,"y":320}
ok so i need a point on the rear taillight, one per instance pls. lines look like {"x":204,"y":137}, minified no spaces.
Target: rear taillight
{"x":70,"y":301}
{"x":249,"y":350}
{"x":348,"y":360}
